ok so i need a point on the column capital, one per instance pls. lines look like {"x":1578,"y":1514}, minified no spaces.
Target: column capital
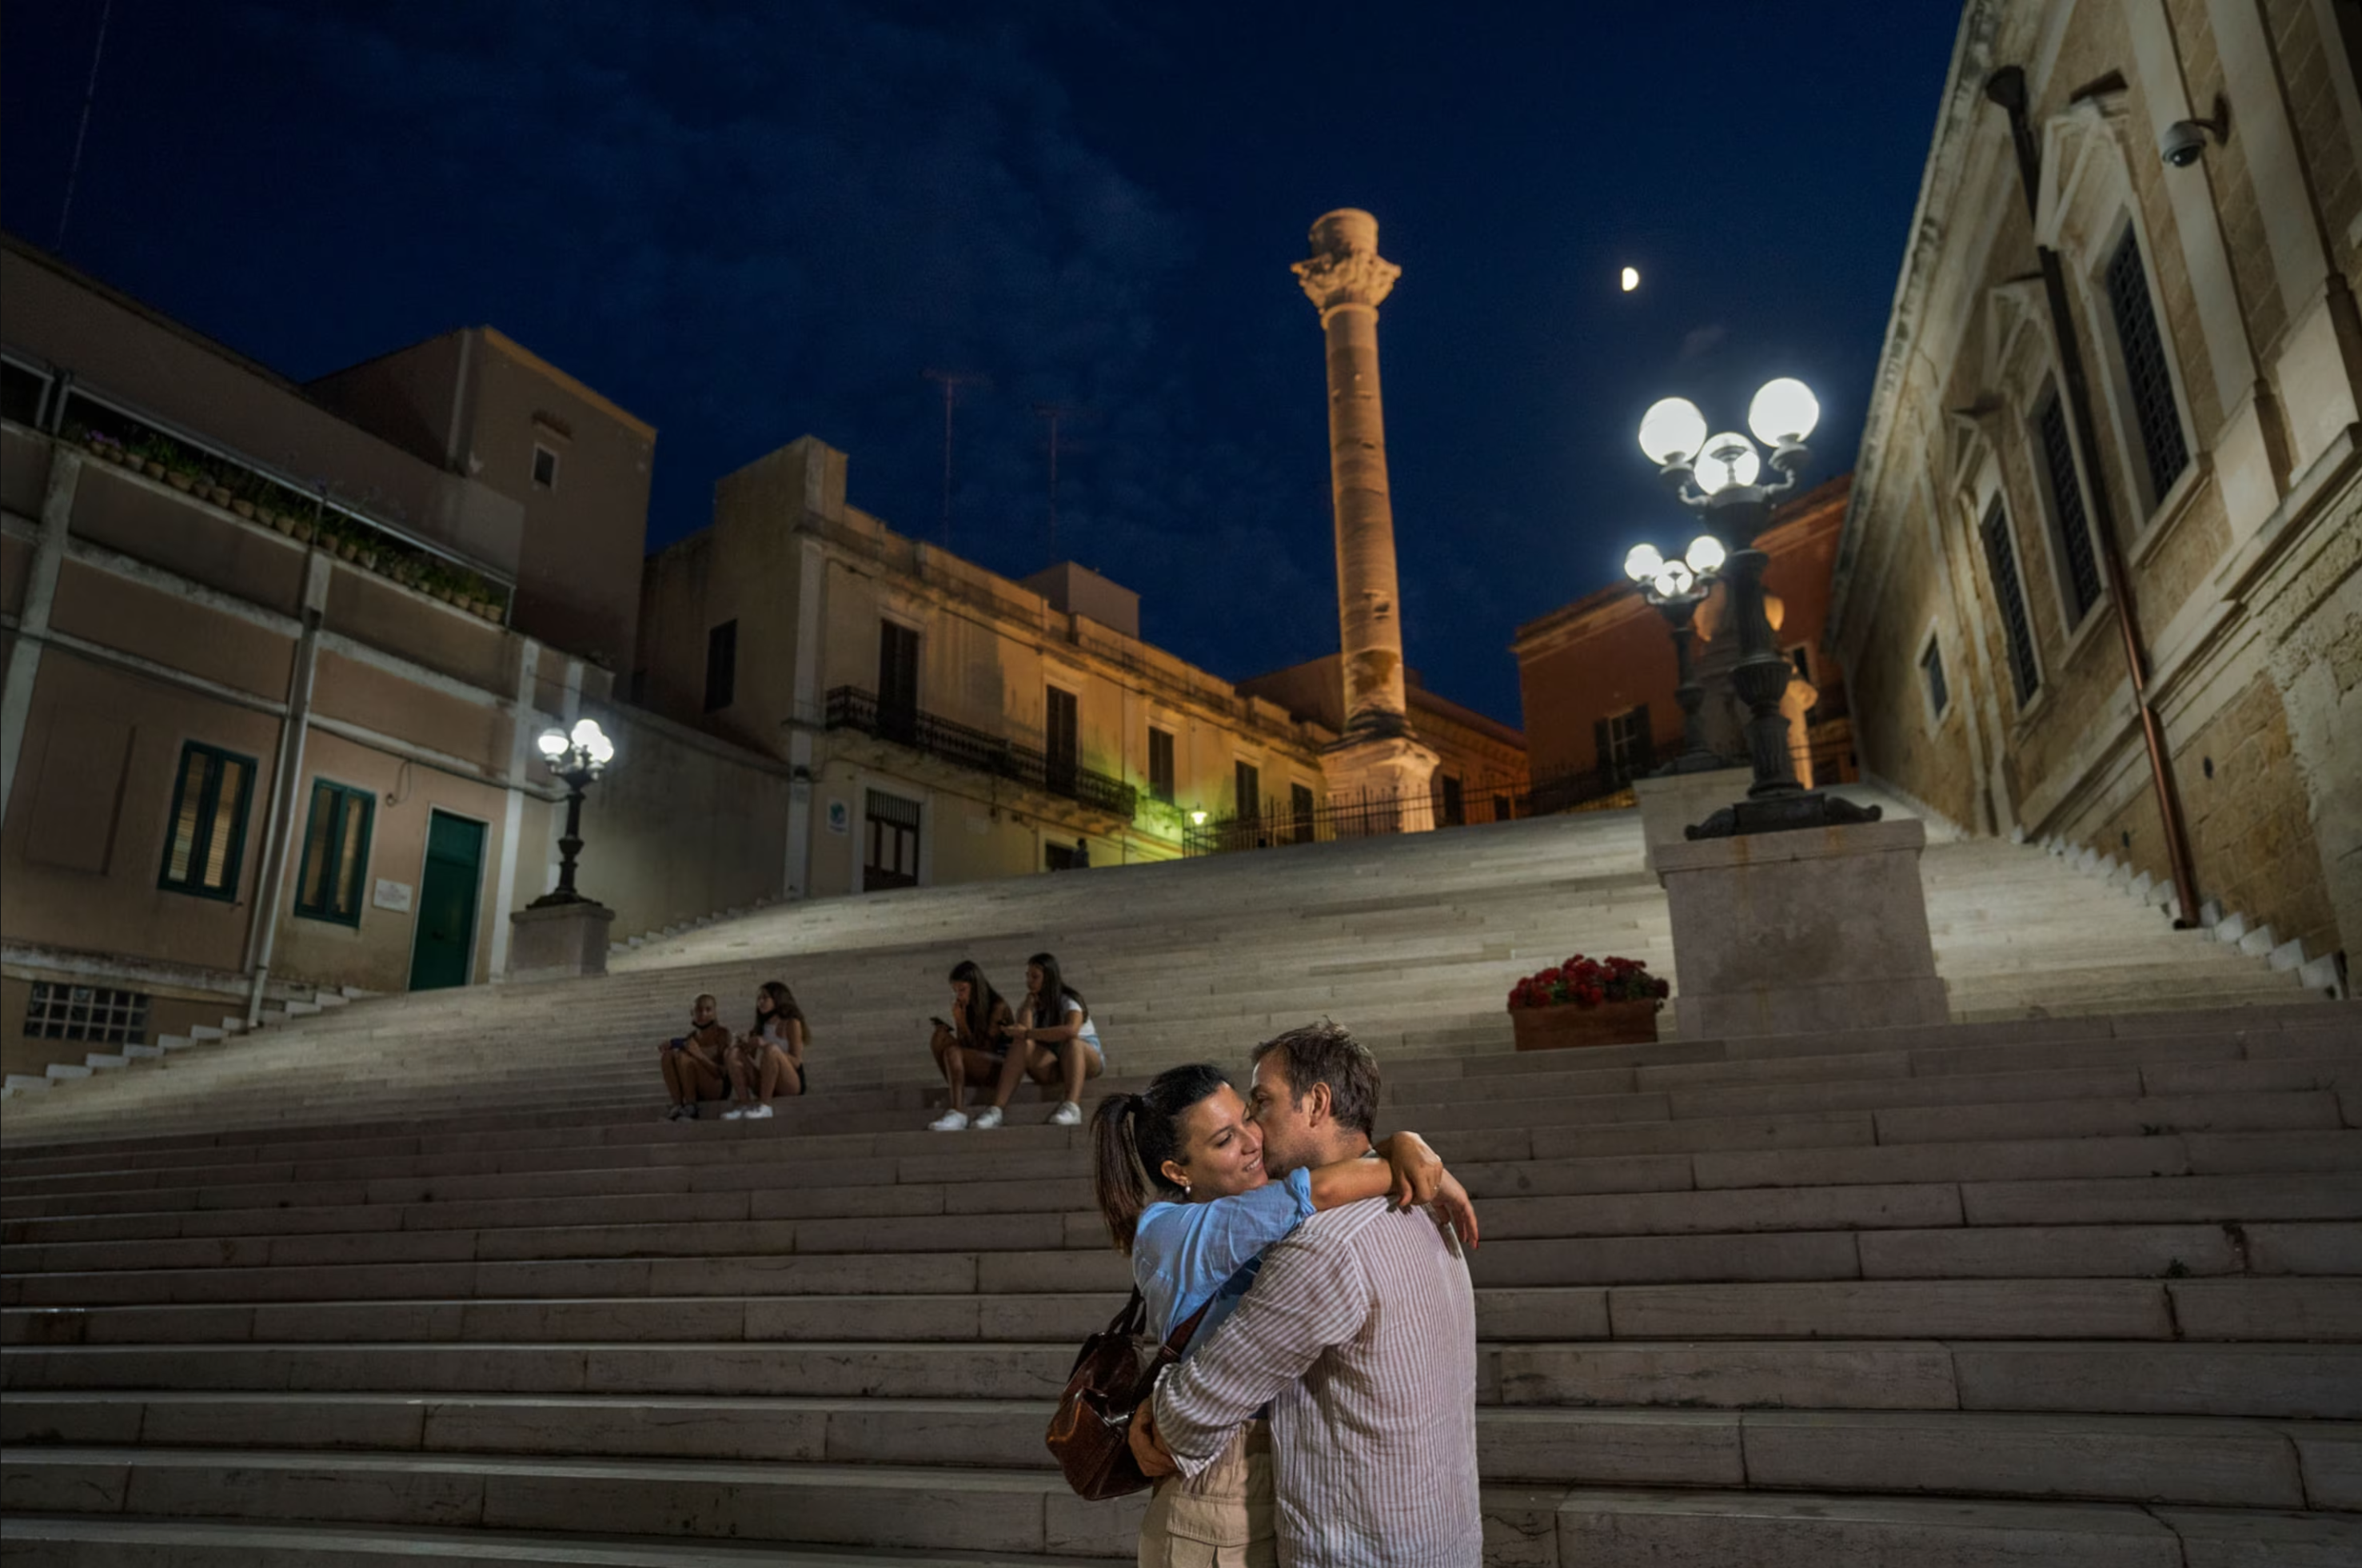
{"x":1345,"y":267}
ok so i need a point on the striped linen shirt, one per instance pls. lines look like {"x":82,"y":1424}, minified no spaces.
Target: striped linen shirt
{"x":1361,"y":1335}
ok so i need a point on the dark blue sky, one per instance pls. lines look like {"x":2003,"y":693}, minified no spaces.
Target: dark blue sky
{"x":748,"y":222}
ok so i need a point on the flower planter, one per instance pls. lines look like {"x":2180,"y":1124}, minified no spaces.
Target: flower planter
{"x":1569,"y":1024}
{"x":218,"y":494}
{"x":243,"y":508}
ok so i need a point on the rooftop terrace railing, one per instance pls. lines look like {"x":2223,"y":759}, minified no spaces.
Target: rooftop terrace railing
{"x":1445,"y":804}
{"x":850,"y":708}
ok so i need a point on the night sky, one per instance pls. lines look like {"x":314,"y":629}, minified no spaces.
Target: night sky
{"x":744,"y":223}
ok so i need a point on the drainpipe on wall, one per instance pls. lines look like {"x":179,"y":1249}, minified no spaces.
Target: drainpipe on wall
{"x":277,"y":831}
{"x":2006,"y":87}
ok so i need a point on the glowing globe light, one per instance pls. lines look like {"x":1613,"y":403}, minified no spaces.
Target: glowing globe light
{"x":1643,"y":562}
{"x":1783,"y":412}
{"x":1672,"y":430}
{"x":1198,"y":818}
{"x":1631,"y":279}
{"x":553,"y":743}
{"x":1705,"y":554}
{"x":1674,"y":581}
{"x":1729,"y":459}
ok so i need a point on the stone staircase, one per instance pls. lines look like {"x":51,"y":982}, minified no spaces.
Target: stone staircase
{"x":427,"y":1281}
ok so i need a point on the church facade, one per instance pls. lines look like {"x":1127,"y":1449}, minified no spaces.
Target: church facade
{"x":2099,"y":582}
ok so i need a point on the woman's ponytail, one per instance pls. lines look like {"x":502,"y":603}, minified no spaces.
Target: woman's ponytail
{"x":1116,"y":1177}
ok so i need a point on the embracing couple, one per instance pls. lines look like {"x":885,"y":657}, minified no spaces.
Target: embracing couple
{"x":1324,"y":1412}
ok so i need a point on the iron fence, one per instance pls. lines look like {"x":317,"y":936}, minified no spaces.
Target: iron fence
{"x":850,"y":708}
{"x":1446,"y":804}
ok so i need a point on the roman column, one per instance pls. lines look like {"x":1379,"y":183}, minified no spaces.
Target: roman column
{"x":1378,"y":755}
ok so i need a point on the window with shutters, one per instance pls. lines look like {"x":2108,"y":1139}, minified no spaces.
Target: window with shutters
{"x":2070,"y":526}
{"x":898,"y":681}
{"x":1160,"y":764}
{"x":334,"y":871}
{"x":2018,"y":638}
{"x":1247,"y":802}
{"x":1061,"y":742}
{"x":1931,"y":672}
{"x":2148,"y":378}
{"x":720,"y":667}
{"x":1303,"y":814}
{"x":210,"y":796}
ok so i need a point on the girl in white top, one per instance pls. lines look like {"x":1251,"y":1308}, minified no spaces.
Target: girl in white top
{"x":1055,"y":1039}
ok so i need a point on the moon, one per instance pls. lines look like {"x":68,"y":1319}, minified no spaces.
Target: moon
{"x":1631,"y":279}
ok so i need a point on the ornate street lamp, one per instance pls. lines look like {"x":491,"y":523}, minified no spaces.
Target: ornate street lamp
{"x":1714,"y":475}
{"x":1677,"y":588}
{"x":577,"y":758}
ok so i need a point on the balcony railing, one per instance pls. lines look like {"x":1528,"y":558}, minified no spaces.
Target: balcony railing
{"x":850,"y":708}
{"x":1371,"y":816}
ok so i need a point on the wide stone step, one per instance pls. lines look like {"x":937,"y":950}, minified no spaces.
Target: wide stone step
{"x":1621,"y":1528}
{"x":56,"y":1541}
{"x":876,"y":1506}
{"x":2215,"y":1462}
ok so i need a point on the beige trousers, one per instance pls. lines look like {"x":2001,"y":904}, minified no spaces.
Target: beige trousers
{"x":1222,"y":1517}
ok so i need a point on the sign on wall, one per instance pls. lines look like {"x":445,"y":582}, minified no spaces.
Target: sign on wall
{"x":392,"y":895}
{"x":840,"y":818}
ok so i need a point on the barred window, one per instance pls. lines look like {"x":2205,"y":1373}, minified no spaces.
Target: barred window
{"x":2002,"y":559}
{"x":60,"y":1012}
{"x":2145,"y":374}
{"x":2067,"y":509}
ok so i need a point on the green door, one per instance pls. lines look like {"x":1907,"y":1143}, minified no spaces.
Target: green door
{"x":443,"y":953}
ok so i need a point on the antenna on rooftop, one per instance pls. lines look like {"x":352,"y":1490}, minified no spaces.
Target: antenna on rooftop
{"x":1052,"y":412}
{"x":82,"y":133}
{"x":951,"y":381}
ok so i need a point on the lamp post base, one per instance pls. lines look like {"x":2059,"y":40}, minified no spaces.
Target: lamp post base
{"x":559,"y":941}
{"x":1782,"y":813}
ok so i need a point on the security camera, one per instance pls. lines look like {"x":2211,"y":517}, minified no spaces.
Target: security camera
{"x":2184,"y":142}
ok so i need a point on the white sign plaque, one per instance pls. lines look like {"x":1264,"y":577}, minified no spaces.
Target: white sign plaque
{"x":392,"y":895}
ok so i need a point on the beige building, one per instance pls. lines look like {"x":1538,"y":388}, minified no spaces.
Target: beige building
{"x":255,"y":732}
{"x":943,"y":723}
{"x":2099,"y":579}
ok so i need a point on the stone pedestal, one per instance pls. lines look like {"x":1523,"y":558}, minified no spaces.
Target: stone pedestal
{"x":1798,"y":933}
{"x":1670,"y":802}
{"x":1379,"y":769}
{"x":558,"y":942}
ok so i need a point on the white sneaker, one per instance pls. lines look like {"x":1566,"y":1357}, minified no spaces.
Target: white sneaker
{"x":736,"y":1113}
{"x":1068,"y":1114}
{"x":757,"y":1113}
{"x":988,"y":1117}
{"x":949,"y":1121}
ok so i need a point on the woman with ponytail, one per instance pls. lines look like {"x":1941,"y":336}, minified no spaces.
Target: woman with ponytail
{"x":1180,"y":1181}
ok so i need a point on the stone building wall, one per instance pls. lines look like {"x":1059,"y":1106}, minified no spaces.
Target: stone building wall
{"x":2242,"y":572}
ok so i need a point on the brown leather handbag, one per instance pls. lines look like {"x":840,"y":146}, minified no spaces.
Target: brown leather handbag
{"x":1090,"y":1435}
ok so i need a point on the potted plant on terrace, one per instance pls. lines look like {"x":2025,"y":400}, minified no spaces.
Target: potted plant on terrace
{"x":1587,"y":1001}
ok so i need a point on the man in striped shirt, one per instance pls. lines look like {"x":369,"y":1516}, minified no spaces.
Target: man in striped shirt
{"x":1360,"y":1334}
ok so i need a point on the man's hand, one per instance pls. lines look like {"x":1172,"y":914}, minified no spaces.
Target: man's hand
{"x":1148,"y":1450}
{"x":1452,"y":1207}
{"x":1417,"y":1170}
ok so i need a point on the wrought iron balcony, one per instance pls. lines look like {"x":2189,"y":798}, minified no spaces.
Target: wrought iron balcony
{"x":850,"y":708}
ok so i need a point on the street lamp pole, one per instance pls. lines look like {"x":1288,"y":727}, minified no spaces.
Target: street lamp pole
{"x":1675,"y":590}
{"x":576,"y":760}
{"x":1715,"y":475}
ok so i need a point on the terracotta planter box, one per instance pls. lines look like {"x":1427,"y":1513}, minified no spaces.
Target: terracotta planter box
{"x":1609,"y":1023}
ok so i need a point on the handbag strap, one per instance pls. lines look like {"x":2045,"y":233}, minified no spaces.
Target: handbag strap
{"x":1179,"y":1341}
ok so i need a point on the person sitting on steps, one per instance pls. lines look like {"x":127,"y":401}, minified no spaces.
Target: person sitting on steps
{"x":1055,"y":1039}
{"x":770,"y":1058}
{"x":695,"y":1064}
{"x":974,"y":1046}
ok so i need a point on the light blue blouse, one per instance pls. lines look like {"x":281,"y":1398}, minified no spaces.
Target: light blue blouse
{"x":1185,"y":1254}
